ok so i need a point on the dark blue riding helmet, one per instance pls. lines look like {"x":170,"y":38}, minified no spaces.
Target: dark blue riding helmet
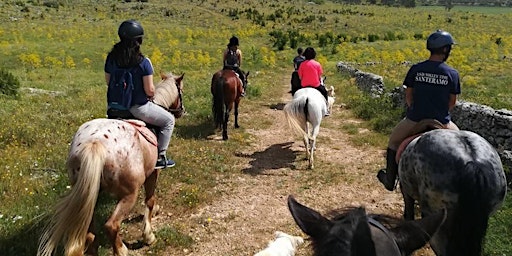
{"x":233,"y":41}
{"x":439,"y":39}
{"x":130,"y":29}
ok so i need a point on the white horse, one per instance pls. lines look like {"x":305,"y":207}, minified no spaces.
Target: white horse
{"x":307,"y":108}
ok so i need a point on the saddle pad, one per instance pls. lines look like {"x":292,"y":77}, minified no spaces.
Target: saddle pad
{"x":143,"y":130}
{"x":403,"y":145}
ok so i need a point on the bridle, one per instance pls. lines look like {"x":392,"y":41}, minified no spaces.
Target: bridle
{"x":382,"y":228}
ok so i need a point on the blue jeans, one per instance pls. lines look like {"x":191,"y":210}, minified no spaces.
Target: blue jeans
{"x":156,"y":115}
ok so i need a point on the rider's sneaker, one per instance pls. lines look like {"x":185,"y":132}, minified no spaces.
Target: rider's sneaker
{"x":163,"y":162}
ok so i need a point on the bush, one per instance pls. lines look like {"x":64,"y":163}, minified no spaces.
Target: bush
{"x":9,"y":84}
{"x":372,"y":38}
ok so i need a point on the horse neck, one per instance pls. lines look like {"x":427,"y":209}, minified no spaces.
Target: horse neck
{"x":165,"y":93}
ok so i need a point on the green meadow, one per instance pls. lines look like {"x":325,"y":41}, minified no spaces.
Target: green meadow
{"x":56,"y":50}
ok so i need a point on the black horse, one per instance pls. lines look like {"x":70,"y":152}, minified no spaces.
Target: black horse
{"x":353,"y":232}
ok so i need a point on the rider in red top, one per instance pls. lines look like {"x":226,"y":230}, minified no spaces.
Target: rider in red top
{"x":310,"y":72}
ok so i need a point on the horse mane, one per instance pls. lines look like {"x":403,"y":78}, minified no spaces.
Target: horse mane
{"x":166,"y":90}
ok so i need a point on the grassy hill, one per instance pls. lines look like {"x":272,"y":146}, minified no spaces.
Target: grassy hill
{"x":56,"y":50}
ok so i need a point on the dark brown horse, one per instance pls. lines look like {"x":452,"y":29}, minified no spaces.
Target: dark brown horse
{"x":226,"y":89}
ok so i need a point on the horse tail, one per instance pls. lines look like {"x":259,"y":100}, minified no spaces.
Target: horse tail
{"x":218,"y":102}
{"x":471,"y":214}
{"x":296,"y":113}
{"x":73,"y":214}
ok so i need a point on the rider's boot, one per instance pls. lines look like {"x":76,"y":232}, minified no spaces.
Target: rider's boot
{"x":388,"y":176}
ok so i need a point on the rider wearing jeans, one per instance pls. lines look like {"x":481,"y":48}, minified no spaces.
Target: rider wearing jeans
{"x":127,"y":54}
{"x":310,"y":73}
{"x":431,"y":92}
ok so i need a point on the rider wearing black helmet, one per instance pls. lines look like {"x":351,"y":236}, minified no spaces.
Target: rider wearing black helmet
{"x":126,"y":54}
{"x":232,"y":59}
{"x":431,"y":92}
{"x":129,"y":30}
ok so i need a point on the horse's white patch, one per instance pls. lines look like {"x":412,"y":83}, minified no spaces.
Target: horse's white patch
{"x":283,"y":245}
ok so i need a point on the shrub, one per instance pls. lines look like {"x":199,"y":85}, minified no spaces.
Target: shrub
{"x":9,"y":84}
{"x":372,"y":38}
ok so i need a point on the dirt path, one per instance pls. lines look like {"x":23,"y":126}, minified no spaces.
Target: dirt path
{"x":253,"y":203}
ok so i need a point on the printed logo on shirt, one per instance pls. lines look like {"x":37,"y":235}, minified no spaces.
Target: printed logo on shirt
{"x":434,"y":79}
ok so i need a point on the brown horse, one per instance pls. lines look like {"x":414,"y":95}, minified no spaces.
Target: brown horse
{"x":226,"y":89}
{"x":116,"y":157}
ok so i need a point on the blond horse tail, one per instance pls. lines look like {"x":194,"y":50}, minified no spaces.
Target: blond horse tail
{"x":296,"y":114}
{"x":73,"y":214}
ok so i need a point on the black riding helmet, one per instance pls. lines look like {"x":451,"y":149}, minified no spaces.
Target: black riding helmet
{"x":130,"y":29}
{"x":439,"y":39}
{"x":233,"y":41}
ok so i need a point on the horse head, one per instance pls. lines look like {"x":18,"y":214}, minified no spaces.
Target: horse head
{"x":168,"y":94}
{"x":353,"y":232}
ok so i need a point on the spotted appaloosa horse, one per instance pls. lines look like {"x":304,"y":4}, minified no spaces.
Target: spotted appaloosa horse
{"x":114,"y":156}
{"x":353,"y":232}
{"x":459,"y":171}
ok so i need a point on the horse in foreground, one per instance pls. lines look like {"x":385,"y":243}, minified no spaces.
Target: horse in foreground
{"x":308,"y":107}
{"x":226,"y":89}
{"x":459,"y":171}
{"x":116,"y":157}
{"x":356,"y":233}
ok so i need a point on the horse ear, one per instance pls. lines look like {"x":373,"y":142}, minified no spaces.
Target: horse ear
{"x":247,"y":74}
{"x":163,"y":76}
{"x":310,"y":221}
{"x":362,"y":243}
{"x":180,"y":78}
{"x":413,"y":235}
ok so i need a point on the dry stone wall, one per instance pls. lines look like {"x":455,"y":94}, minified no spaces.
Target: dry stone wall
{"x":494,"y":125}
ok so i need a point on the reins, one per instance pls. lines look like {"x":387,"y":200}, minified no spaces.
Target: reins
{"x":382,"y":228}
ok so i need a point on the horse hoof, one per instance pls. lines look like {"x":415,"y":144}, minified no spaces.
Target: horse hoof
{"x":150,"y":239}
{"x":156,"y":210}
{"x":237,"y":126}
{"x":123,"y":251}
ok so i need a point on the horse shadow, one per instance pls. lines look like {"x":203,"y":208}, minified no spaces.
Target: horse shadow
{"x":274,"y":157}
{"x":200,"y":131}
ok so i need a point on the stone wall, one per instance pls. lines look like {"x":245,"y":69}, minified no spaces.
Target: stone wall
{"x":494,"y":125}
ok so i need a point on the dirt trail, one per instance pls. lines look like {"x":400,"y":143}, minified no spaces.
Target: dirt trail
{"x":253,"y":203}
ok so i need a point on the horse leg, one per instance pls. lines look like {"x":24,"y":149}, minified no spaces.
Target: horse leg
{"x":314,"y":134}
{"x":408,"y":205}
{"x":113,"y":224}
{"x":306,"y":140}
{"x":311,"y":154}
{"x":149,"y":188}
{"x":236,"y":113}
{"x":225,"y":125}
{"x":91,"y":243}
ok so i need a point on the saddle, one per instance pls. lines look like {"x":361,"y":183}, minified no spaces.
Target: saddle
{"x":421,"y":127}
{"x":147,"y":131}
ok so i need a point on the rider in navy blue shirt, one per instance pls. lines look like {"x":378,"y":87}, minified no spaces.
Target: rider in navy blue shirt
{"x":431,"y":92}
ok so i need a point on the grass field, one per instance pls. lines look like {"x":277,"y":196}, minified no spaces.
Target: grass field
{"x":60,"y":47}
